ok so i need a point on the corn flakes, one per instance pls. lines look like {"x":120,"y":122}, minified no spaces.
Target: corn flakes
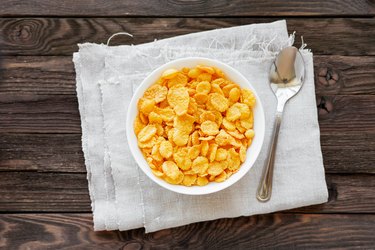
{"x":194,"y":126}
{"x":233,"y":113}
{"x":214,"y":169}
{"x":209,"y":128}
{"x":178,"y":98}
{"x":166,"y":149}
{"x":221,"y":177}
{"x":249,"y":134}
{"x":221,"y":154}
{"x":194,"y":151}
{"x":234,"y":95}
{"x":189,"y":179}
{"x":182,"y":159}
{"x":212,"y":149}
{"x":202,"y":181}
{"x":169,"y":73}
{"x":156,"y":92}
{"x":228,"y":125}
{"x":200,"y":165}
{"x":204,"y":148}
{"x":170,"y":169}
{"x":203,"y":87}
{"x":147,"y":133}
{"x":219,"y":102}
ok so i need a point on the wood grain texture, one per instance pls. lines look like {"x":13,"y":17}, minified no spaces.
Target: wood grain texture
{"x":356,"y":75}
{"x":40,"y":115}
{"x":61,"y":192}
{"x":348,"y":152}
{"x":36,"y":76}
{"x":349,"y":113}
{"x":60,"y":36}
{"x":186,"y":8}
{"x":342,"y":153}
{"x":41,"y":153}
{"x":54,"y":231}
{"x":281,"y":231}
{"x":55,"y":75}
{"x":43,"y":192}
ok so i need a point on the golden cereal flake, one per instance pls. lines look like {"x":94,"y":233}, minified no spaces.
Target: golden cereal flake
{"x":170,"y":169}
{"x":221,"y":154}
{"x":249,"y":134}
{"x":146,"y":105}
{"x":200,"y":165}
{"x":206,"y":69}
{"x":182,"y":159}
{"x":233,"y":113}
{"x":169,"y":73}
{"x":202,"y":181}
{"x":204,"y":148}
{"x":166,"y":149}
{"x":189,"y":179}
{"x":221,"y":177}
{"x":234,"y":95}
{"x":219,"y":102}
{"x":178,"y":80}
{"x":178,"y":98}
{"x":248,"y":97}
{"x":203,"y":87}
{"x":214,"y":168}
{"x":147,"y":133}
{"x":210,"y":128}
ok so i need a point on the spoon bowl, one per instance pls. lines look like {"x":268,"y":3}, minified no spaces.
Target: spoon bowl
{"x":287,"y":75}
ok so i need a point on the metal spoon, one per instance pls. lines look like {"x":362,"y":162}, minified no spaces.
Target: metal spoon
{"x":286,"y":78}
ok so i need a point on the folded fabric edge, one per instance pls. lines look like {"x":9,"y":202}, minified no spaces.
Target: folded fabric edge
{"x":77,"y":66}
{"x":98,"y":206}
{"x":307,"y":53}
{"x":320,"y":200}
{"x":165,"y":41}
{"x":120,"y":226}
{"x":317,"y":202}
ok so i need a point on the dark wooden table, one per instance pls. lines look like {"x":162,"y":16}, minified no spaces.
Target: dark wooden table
{"x":44,"y":202}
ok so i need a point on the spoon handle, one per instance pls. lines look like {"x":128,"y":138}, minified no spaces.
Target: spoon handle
{"x":265,"y":186}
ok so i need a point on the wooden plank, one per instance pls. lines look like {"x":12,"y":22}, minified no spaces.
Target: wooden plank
{"x":57,"y":192}
{"x":186,"y":8}
{"x":54,"y":231}
{"x":59,"y":114}
{"x":43,"y":192}
{"x":281,"y":231}
{"x":36,"y":75}
{"x":349,"y":113}
{"x":42,"y":153}
{"x":58,"y":36}
{"x":349,"y":153}
{"x":40,"y":114}
{"x":347,"y":194}
{"x":355,"y":75}
{"x":55,"y":75}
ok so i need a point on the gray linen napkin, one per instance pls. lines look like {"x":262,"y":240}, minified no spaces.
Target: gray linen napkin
{"x":124,"y":198}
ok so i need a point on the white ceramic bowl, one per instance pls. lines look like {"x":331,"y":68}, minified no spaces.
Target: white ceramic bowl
{"x":252,"y":152}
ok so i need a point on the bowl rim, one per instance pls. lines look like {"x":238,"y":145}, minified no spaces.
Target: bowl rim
{"x":133,"y":142}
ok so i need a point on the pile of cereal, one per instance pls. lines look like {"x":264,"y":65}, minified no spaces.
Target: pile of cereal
{"x":194,"y":126}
